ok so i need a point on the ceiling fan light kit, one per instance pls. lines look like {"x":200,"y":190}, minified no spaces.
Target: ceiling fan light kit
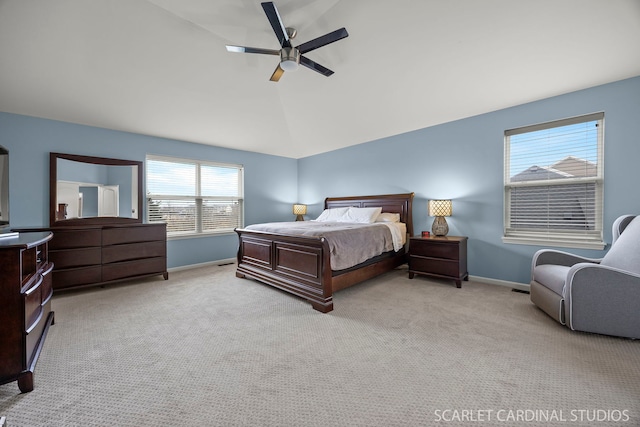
{"x":291,"y":57}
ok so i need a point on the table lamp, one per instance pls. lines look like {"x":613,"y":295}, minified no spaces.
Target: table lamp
{"x":299,"y":210}
{"x":440,"y":209}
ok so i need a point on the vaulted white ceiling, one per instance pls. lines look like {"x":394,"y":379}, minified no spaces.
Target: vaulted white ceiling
{"x":160,"y":67}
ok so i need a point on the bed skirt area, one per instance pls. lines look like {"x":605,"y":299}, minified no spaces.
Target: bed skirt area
{"x":370,"y":261}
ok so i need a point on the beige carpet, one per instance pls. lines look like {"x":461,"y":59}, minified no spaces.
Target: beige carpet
{"x":208,"y":349}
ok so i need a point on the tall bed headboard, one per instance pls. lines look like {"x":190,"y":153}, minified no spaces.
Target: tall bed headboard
{"x":392,"y":203}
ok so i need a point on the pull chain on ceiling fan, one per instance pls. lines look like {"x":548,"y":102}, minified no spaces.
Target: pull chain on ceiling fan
{"x":291,"y":57}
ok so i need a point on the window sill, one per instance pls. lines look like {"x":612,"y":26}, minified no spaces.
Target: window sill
{"x":199,"y":235}
{"x":554,"y":243}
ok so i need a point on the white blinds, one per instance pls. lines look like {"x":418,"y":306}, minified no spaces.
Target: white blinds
{"x":193,"y":196}
{"x":171,"y":178}
{"x":220,"y":181}
{"x":553,"y":181}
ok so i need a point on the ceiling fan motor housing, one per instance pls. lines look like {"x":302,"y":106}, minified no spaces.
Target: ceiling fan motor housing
{"x":289,"y":58}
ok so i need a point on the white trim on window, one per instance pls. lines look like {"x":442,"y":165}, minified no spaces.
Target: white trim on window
{"x":194,"y":197}
{"x":553,"y":183}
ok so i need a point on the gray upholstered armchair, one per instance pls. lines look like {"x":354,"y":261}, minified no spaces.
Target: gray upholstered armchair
{"x":593,"y":295}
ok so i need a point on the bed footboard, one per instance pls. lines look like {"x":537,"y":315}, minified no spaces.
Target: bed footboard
{"x":302,"y":265}
{"x":298,"y":265}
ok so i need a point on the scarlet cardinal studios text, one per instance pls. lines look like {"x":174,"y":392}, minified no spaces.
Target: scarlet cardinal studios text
{"x":532,"y":415}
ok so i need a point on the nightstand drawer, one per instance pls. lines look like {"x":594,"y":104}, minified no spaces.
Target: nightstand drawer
{"x":435,"y":249}
{"x":435,"y":266}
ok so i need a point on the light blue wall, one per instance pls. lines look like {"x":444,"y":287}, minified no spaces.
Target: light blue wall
{"x":463,"y":160}
{"x":270,"y":182}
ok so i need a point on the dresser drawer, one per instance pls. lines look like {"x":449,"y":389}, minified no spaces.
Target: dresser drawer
{"x":67,"y":258}
{"x":47,"y":284}
{"x":133,"y":251}
{"x":435,"y":250}
{"x":434,"y":266}
{"x":70,"y":277}
{"x":120,"y":270}
{"x":33,"y":302}
{"x":33,"y":336}
{"x":68,"y":239}
{"x":143,"y":233}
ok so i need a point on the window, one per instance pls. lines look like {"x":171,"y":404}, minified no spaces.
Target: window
{"x":553,"y":182}
{"x":194,"y":197}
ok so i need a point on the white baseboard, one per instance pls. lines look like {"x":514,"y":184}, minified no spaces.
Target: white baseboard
{"x":203,"y":264}
{"x":515,"y":285}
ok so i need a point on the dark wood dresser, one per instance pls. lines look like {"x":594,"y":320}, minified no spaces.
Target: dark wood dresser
{"x":25,"y":305}
{"x":99,"y":254}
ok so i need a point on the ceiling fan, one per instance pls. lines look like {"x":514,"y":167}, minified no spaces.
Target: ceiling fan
{"x":291,"y":57}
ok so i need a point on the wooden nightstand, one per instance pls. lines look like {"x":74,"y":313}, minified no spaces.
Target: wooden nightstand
{"x":444,"y":257}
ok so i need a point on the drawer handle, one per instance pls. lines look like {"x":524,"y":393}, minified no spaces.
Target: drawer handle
{"x":34,"y":324}
{"x":46,"y":299}
{"x":34,"y":287}
{"x":49,"y":269}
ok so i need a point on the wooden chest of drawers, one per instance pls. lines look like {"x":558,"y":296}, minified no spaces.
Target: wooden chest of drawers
{"x":25,"y":305}
{"x":444,"y":257}
{"x":99,"y":254}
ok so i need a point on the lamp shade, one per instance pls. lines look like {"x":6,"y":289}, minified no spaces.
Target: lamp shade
{"x":299,"y":209}
{"x":440,"y":208}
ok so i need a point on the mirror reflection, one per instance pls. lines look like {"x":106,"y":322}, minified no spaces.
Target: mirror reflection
{"x":89,"y":190}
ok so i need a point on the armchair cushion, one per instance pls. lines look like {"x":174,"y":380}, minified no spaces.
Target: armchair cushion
{"x":551,"y":276}
{"x":625,"y":253}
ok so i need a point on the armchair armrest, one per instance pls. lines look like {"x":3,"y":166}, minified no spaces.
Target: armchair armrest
{"x":603,"y":300}
{"x":551,"y":256}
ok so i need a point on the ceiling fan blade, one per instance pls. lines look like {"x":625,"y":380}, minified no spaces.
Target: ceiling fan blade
{"x":315,"y":66}
{"x":276,"y":23}
{"x":331,"y":37}
{"x":277,"y":74}
{"x":245,"y":49}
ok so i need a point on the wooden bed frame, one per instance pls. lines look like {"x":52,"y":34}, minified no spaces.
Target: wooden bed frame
{"x":302,"y":265}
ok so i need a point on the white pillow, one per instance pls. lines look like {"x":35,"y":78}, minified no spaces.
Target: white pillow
{"x":388,"y":217}
{"x":361,"y":215}
{"x":332,"y":215}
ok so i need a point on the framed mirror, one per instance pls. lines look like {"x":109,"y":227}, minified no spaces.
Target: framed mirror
{"x":85,"y":190}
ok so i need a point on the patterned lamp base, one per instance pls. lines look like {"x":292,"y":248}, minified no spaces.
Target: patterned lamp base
{"x":440,"y":226}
